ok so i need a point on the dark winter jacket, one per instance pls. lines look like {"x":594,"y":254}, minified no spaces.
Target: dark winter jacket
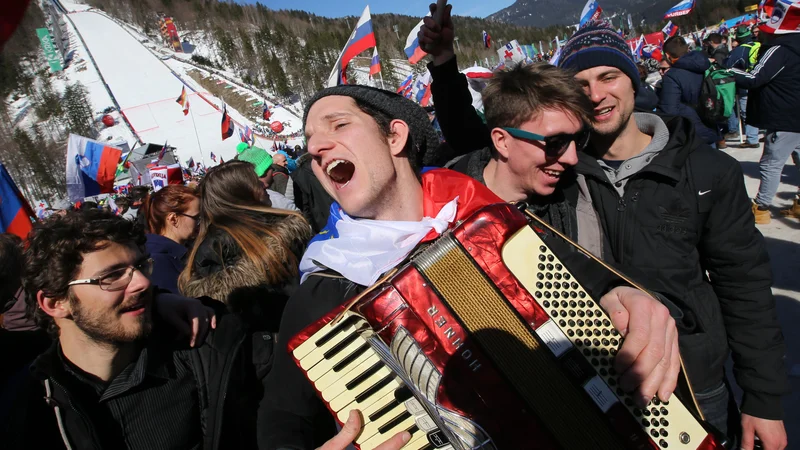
{"x":673,"y":230}
{"x":686,"y":214}
{"x":740,"y":59}
{"x":169,"y":258}
{"x":222,"y":272}
{"x":309,"y":195}
{"x":228,"y":369}
{"x":773,"y":85}
{"x":719,"y":54}
{"x":280,"y":179}
{"x":646,"y":99}
{"x":680,"y":93}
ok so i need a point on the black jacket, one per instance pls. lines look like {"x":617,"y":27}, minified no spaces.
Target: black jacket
{"x":680,"y":92}
{"x":169,"y":260}
{"x":773,"y":85}
{"x":309,"y":195}
{"x":673,"y":236}
{"x":228,"y":368}
{"x":686,"y":214}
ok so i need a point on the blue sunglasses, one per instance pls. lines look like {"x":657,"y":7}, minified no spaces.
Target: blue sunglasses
{"x":555,"y":145}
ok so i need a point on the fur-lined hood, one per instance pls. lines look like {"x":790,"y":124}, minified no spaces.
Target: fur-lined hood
{"x":221,"y":271}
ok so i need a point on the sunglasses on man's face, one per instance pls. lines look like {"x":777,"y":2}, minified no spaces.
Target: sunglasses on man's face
{"x":555,"y":145}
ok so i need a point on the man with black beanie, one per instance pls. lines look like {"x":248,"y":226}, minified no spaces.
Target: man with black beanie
{"x":366,"y":146}
{"x":673,"y":209}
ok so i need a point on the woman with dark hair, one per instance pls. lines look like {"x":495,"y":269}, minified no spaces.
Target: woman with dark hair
{"x":246,"y":252}
{"x":171,"y":216}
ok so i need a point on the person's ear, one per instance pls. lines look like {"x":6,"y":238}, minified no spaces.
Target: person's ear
{"x":55,"y":308}
{"x":398,"y":137}
{"x":172,"y":219}
{"x":501,"y":139}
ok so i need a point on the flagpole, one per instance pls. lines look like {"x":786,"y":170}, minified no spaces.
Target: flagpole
{"x":381,"y":75}
{"x":199,"y":147}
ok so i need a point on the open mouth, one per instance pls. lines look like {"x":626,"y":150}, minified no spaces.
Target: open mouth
{"x":553,"y":173}
{"x":603,"y":113}
{"x":136,"y":309}
{"x":340,"y":172}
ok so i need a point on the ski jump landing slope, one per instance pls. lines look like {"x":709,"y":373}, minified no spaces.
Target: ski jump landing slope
{"x":146,"y":91}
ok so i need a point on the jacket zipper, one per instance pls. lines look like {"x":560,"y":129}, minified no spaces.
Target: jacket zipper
{"x":78,"y":412}
{"x":224,"y":392}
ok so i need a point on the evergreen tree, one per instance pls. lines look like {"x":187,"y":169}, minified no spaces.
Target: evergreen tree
{"x":78,"y":115}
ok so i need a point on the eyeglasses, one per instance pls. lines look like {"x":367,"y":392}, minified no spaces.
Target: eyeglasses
{"x":663,"y":69}
{"x":556,"y":145}
{"x":195,"y":217}
{"x":119,"y":279}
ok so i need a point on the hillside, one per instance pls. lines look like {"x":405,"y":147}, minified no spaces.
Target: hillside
{"x":646,"y":13}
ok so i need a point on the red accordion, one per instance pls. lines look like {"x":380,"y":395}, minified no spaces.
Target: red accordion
{"x":485,"y":340}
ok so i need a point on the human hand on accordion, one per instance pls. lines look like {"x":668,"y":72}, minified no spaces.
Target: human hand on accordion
{"x":349,"y":433}
{"x":649,"y":359}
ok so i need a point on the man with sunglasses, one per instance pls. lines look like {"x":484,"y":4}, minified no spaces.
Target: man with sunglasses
{"x":115,"y":377}
{"x":673,"y":209}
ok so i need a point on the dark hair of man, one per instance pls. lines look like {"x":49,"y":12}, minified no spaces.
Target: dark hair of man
{"x":517,"y":95}
{"x":10,"y":268}
{"x":716,"y":38}
{"x":55,"y":253}
{"x":642,"y":72}
{"x":138,"y":194}
{"x":123,"y":203}
{"x":231,"y":199}
{"x":171,"y":199}
{"x":676,"y":47}
{"x":384,"y":126}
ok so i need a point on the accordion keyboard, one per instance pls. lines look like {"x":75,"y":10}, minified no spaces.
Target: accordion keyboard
{"x":349,"y":375}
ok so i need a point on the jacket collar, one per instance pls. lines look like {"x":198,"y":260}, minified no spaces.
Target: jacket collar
{"x":160,"y":244}
{"x":668,"y":162}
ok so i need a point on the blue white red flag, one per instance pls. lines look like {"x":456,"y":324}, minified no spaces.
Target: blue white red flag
{"x":405,"y":84}
{"x":249,"y":135}
{"x":361,"y":39}
{"x":591,"y":11}
{"x":681,"y":9}
{"x":162,"y":153}
{"x":414,"y":52}
{"x":375,"y":64}
{"x":670,"y":29}
{"x":91,"y":167}
{"x":213,"y":157}
{"x":639,"y":46}
{"x":487,"y":39}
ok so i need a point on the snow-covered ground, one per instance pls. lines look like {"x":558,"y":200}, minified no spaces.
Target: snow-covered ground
{"x":146,"y":88}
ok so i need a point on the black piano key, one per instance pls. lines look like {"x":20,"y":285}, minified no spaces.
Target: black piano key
{"x":336,"y":330}
{"x":350,"y":358}
{"x":394,"y":422}
{"x":402,"y":394}
{"x":374,"y":388}
{"x":340,"y":346}
{"x":366,"y":374}
{"x":379,"y":413}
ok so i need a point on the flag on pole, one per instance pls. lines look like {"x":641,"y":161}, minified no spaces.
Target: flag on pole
{"x":190,"y":163}
{"x":16,"y":215}
{"x":414,"y":52}
{"x":360,"y":39}
{"x":183,"y":100}
{"x":556,"y":56}
{"x":249,"y":136}
{"x":681,"y":9}
{"x":375,"y":64}
{"x":227,"y":123}
{"x":213,"y":157}
{"x":405,"y":84}
{"x":487,"y":39}
{"x":424,"y":89}
{"x":591,"y":11}
{"x":639,"y":46}
{"x":266,"y":114}
{"x":670,"y":29}
{"x":91,"y":167}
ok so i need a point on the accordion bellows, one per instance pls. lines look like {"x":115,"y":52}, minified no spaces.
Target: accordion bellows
{"x":484,"y":340}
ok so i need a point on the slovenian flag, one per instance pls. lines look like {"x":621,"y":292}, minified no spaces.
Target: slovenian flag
{"x":91,"y":167}
{"x":670,"y":29}
{"x":361,"y":39}
{"x":405,"y":84}
{"x":414,"y":52}
{"x":213,"y":157}
{"x":16,"y":215}
{"x":266,"y":114}
{"x":681,"y":9}
{"x":183,"y":100}
{"x":227,"y":123}
{"x":487,"y":40}
{"x":637,"y":52}
{"x":375,"y":63}
{"x":591,"y":11}
{"x":249,"y":136}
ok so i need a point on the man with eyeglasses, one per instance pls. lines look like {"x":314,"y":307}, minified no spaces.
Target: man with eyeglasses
{"x":671,"y":208}
{"x":115,"y":377}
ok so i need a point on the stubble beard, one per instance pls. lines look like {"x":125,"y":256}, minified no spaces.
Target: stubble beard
{"x":100,"y":329}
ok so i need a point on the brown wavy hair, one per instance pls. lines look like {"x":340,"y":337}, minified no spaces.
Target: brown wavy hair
{"x":157,"y":206}
{"x":230,"y":194}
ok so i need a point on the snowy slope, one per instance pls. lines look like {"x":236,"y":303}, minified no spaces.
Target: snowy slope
{"x":146,"y":89}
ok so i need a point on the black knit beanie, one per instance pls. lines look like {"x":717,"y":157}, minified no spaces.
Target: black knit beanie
{"x":597,"y":44}
{"x":421,"y":133}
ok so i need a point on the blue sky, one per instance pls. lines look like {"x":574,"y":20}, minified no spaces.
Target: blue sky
{"x":339,"y":8}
